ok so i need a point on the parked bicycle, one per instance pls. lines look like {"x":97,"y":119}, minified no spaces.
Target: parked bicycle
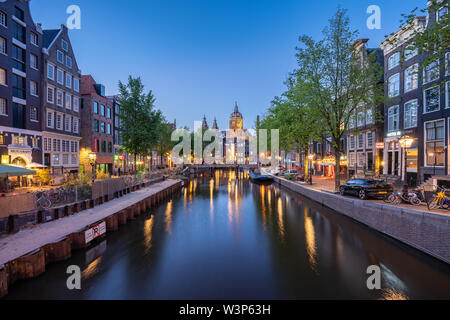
{"x":399,"y":197}
{"x":42,"y":200}
{"x":439,"y":200}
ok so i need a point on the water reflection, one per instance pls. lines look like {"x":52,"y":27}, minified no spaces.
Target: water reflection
{"x":226,"y":238}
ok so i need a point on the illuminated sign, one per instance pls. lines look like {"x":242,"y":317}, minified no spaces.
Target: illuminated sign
{"x":394,"y":134}
{"x":380,"y":145}
{"x":5,"y":159}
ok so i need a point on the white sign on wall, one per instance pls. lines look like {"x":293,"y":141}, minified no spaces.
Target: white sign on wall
{"x":95,"y":232}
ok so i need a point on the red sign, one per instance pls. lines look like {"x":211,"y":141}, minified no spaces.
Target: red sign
{"x":380,"y":145}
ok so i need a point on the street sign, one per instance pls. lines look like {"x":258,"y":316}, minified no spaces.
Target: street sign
{"x":95,"y":232}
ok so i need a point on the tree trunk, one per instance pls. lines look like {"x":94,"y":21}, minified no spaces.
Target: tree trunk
{"x":337,"y":173}
{"x":306,"y":162}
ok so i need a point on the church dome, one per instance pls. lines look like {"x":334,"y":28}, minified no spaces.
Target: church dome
{"x":236,"y":114}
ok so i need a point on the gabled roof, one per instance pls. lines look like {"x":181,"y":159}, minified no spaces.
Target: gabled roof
{"x":49,"y":36}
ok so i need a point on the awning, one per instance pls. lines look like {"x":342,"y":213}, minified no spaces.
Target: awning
{"x":35,"y":165}
{"x":13,"y":171}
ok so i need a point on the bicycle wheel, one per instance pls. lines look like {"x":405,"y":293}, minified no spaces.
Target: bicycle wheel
{"x":434,"y":203}
{"x":445,"y":204}
{"x":415,"y":201}
{"x":389,"y":198}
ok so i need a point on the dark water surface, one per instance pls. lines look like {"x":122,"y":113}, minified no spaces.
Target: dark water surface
{"x":226,"y":238}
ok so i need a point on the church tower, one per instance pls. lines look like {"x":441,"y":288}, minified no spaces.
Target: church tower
{"x":215,"y":126}
{"x":236,"y":119}
{"x":205,"y":123}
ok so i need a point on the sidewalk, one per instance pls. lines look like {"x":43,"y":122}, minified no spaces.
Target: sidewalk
{"x":35,"y":237}
{"x":326,"y":184}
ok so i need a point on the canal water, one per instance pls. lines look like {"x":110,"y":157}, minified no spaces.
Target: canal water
{"x":224,"y":237}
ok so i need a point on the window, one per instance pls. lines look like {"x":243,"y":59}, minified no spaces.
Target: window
{"x":60,"y":56}
{"x":431,"y":99}
{"x":102,"y":110}
{"x":33,"y":88}
{"x":19,"y":86}
{"x":394,"y":60}
{"x":96,"y":126}
{"x":410,"y":114}
{"x":102,"y":127}
{"x":74,"y":159}
{"x":2,"y":139}
{"x":56,"y":159}
{"x":76,"y":85}
{"x":369,"y":140}
{"x":76,"y":104}
{"x":352,"y":159}
{"x":68,"y":101}
{"x":33,"y":38}
{"x":411,"y":78}
{"x":409,"y":53}
{"x":18,"y":13}
{"x":67,"y":124}
{"x":351,"y":142}
{"x":361,"y":160}
{"x":65,"y":159}
{"x":50,"y":95}
{"x":59,"y":98}
{"x":434,"y":147}
{"x":2,"y":19}
{"x":108,"y":113}
{"x":447,"y":94}
{"x":33,"y":61}
{"x":360,"y":119}
{"x":2,"y":76}
{"x":60,"y":76}
{"x":19,"y":32}
{"x":50,"y":72}
{"x":431,"y":72}
{"x":18,"y":56}
{"x":19,"y":140}
{"x":33,"y":114}
{"x":95,"y":107}
{"x":96,"y":146}
{"x":69,"y":61}
{"x":2,"y":45}
{"x":103,"y":146}
{"x":361,"y":141}
{"x":49,"y":119}
{"x":3,"y":109}
{"x":58,"y":121}
{"x":393,"y":119}
{"x":108,"y":129}
{"x":65,"y":45}
{"x":369,"y":116}
{"x":75,"y":125}
{"x":68,"y":81}
{"x":394,"y":85}
{"x":109,"y":147}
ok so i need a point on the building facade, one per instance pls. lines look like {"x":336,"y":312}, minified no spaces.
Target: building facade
{"x":61,"y":103}
{"x":365,"y":146}
{"x":96,"y":127}
{"x":20,"y":85}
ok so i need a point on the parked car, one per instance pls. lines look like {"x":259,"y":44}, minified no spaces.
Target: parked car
{"x":301,"y":177}
{"x":291,"y":174}
{"x":366,"y":188}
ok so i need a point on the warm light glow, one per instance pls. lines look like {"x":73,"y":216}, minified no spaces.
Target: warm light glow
{"x":406,"y":141}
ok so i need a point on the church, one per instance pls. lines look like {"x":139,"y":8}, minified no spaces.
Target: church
{"x":235,"y":139}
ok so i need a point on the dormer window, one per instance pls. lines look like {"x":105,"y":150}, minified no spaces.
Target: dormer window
{"x":19,"y":14}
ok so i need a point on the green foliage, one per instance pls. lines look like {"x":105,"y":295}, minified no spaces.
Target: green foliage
{"x":45,"y":176}
{"x":140,"y":121}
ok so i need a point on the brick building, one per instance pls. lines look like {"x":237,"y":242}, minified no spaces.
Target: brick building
{"x":20,"y":85}
{"x":61,"y":103}
{"x":96,"y":126}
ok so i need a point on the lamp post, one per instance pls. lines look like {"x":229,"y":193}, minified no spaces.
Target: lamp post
{"x":405,"y":142}
{"x":93,"y":163}
{"x":310,"y":158}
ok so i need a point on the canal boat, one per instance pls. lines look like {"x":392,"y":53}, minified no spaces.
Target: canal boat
{"x":256,"y":176}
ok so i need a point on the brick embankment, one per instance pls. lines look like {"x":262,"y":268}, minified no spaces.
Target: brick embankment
{"x":24,"y":255}
{"x":425,"y":231}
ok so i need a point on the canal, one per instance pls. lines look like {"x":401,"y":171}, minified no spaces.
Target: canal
{"x":224,"y":237}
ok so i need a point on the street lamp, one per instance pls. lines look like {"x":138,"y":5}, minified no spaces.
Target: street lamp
{"x":311,"y":158}
{"x":93,"y":163}
{"x":405,"y":142}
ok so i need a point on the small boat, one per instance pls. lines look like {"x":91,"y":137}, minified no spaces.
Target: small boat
{"x":256,"y":176}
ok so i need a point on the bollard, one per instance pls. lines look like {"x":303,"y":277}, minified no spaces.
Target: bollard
{"x":27,"y":267}
{"x":91,"y":203}
{"x":76,"y":208}
{"x":3,"y":282}
{"x":100,"y":200}
{"x":58,"y":251}
{"x":122,"y":217}
{"x":112,"y":223}
{"x":130,"y":213}
{"x":13,"y":223}
{"x":78,"y":240}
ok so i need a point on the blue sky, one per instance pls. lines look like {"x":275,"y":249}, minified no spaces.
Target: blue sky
{"x":198,"y":56}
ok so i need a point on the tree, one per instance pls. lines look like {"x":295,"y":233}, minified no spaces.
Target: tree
{"x":165,"y":143}
{"x":140,"y":121}
{"x":433,"y":39}
{"x":336,"y":82}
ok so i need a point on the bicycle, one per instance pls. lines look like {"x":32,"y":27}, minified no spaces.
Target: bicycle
{"x":439,"y":200}
{"x":41,"y":200}
{"x":398,"y":197}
